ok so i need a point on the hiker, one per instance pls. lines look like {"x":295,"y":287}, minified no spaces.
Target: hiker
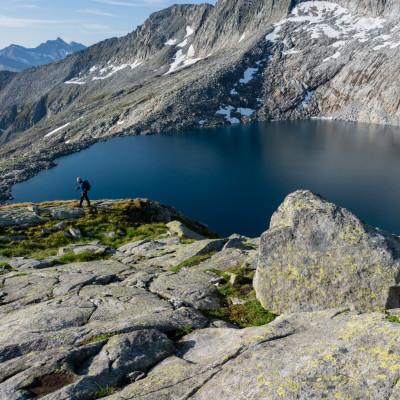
{"x":84,"y":185}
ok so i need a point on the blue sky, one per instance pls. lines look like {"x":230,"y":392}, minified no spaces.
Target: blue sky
{"x":31,"y":22}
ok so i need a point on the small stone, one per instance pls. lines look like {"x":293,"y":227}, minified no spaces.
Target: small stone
{"x":136,"y":375}
{"x":233,"y":278}
{"x":235,"y":301}
{"x":394,"y":311}
{"x":108,"y":234}
{"x":33,"y":208}
{"x":60,"y":225}
{"x":75,"y":232}
{"x":65,"y":233}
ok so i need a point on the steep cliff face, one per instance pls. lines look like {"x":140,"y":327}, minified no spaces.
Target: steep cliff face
{"x":190,"y":66}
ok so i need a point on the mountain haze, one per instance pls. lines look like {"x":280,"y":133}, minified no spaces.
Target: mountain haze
{"x":17,"y":58}
{"x":190,"y":66}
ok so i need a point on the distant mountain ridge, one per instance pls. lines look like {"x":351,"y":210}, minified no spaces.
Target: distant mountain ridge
{"x":17,"y":58}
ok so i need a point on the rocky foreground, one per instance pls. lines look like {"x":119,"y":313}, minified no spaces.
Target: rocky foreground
{"x":135,"y":301}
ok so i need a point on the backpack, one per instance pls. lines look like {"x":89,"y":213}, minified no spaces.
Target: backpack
{"x":87,"y":184}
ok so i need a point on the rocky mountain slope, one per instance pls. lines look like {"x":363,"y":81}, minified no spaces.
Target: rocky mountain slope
{"x":133,"y":300}
{"x":202,"y":66}
{"x":17,"y":58}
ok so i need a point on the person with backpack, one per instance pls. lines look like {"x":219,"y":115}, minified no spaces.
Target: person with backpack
{"x":84,"y":185}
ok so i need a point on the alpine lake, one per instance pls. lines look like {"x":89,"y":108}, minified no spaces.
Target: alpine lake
{"x":233,"y":178}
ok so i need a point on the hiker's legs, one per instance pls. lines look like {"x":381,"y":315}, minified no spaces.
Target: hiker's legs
{"x":84,"y":196}
{"x":87,"y":198}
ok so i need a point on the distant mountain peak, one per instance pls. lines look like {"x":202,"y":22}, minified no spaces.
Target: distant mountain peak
{"x":17,"y":58}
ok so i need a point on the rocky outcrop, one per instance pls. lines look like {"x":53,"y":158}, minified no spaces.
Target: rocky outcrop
{"x":317,"y":255}
{"x":82,"y":329}
{"x":331,"y":354}
{"x":138,"y":321}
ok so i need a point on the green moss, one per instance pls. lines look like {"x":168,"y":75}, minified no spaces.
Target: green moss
{"x":180,"y":332}
{"x":251,"y":313}
{"x":19,"y":274}
{"x":243,"y":315}
{"x":393,"y":318}
{"x":105,"y":391}
{"x":187,"y":241}
{"x":98,"y":338}
{"x":192,"y":261}
{"x":128,"y":218}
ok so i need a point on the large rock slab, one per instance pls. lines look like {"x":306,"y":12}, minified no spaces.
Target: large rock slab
{"x":331,"y":354}
{"x":191,"y":287}
{"x":317,"y":255}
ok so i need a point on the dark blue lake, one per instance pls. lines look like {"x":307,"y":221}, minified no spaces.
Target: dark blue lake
{"x":234,"y":178}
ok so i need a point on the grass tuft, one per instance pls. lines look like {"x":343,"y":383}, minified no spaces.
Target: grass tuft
{"x":192,"y":261}
{"x":393,"y":318}
{"x":251,"y":313}
{"x":98,"y":338}
{"x":85,"y":256}
{"x":104,"y":391}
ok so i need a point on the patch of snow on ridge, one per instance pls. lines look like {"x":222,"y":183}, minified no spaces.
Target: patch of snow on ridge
{"x":135,"y":64}
{"x":246,"y":111}
{"x":183,"y":60}
{"x":189,"y":31}
{"x":170,"y":42}
{"x":227,"y":112}
{"x":182,"y":44}
{"x":325,"y":19}
{"x":112,"y":69}
{"x":307,"y":99}
{"x":248,"y":75}
{"x":75,"y":81}
{"x":334,"y":56}
{"x":57,"y":130}
{"x":242,"y":37}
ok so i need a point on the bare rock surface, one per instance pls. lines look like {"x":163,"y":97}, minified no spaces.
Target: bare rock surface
{"x":302,"y":355}
{"x":317,"y":255}
{"x":134,"y":325}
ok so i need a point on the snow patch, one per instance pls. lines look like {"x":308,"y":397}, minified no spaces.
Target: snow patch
{"x":202,"y":122}
{"x":291,"y":51}
{"x":242,"y":37}
{"x":75,"y":81}
{"x":233,"y":92}
{"x":182,"y":44}
{"x":68,"y":141}
{"x":120,"y":122}
{"x":246,"y":111}
{"x":321,"y":18}
{"x":183,"y":60}
{"x":170,"y":42}
{"x":112,"y":69}
{"x":135,"y":64}
{"x":339,"y":43}
{"x":189,"y":31}
{"x":57,"y":130}
{"x":248,"y":75}
{"x":307,"y":99}
{"x":227,"y":112}
{"x":334,"y":56}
